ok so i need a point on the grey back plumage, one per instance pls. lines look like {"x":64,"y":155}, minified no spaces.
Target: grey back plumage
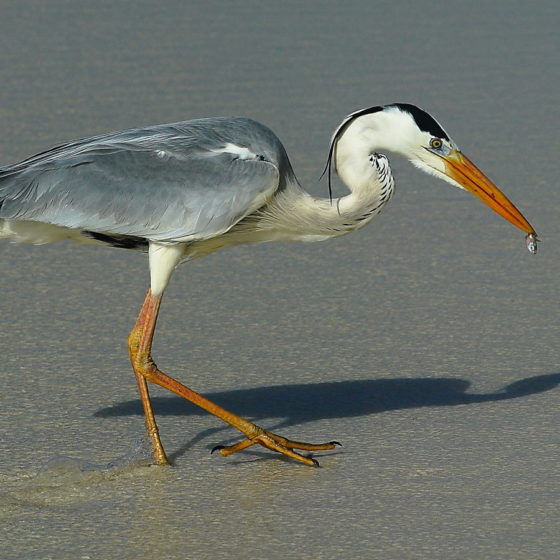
{"x":179,"y":181}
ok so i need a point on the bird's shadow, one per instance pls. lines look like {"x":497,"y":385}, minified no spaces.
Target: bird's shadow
{"x":301,"y":403}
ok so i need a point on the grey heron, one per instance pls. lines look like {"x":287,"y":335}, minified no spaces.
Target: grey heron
{"x":184,"y":190}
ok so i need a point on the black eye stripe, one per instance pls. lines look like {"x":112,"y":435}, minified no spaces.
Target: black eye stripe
{"x":425,"y":122}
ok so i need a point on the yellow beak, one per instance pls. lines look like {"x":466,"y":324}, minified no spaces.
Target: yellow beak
{"x":461,"y":169}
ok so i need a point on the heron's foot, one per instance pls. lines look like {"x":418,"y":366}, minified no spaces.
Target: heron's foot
{"x":280,"y":444}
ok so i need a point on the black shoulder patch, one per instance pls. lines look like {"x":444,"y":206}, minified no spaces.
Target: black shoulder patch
{"x":425,"y":122}
{"x":120,"y":241}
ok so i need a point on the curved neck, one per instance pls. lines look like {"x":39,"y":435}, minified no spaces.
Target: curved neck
{"x":296,"y":215}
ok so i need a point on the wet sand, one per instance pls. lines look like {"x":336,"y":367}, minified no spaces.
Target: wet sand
{"x":427,"y":343}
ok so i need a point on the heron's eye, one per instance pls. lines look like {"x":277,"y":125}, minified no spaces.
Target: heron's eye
{"x":436,"y":143}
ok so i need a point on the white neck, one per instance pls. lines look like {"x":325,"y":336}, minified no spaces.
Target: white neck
{"x":296,"y":215}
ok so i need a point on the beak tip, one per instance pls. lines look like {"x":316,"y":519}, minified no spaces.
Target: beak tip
{"x":463,"y":171}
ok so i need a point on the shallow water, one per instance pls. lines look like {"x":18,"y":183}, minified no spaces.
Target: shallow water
{"x":426,"y":343}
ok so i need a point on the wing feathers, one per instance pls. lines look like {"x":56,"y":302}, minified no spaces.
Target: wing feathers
{"x":165,"y":183}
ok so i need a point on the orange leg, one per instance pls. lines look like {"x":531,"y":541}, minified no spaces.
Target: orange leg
{"x":140,"y":347}
{"x":134,"y":341}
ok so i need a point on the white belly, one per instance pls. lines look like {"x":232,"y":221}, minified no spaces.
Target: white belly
{"x":38,"y":232}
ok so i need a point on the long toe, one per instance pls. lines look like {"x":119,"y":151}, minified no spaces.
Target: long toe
{"x":280,"y":445}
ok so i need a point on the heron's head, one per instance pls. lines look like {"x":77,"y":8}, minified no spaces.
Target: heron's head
{"x":407,"y":130}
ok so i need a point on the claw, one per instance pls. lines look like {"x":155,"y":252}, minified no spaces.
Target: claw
{"x":335,"y":443}
{"x":315,"y":462}
{"x":217,"y":448}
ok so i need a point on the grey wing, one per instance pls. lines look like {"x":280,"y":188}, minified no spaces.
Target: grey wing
{"x":160,"y":190}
